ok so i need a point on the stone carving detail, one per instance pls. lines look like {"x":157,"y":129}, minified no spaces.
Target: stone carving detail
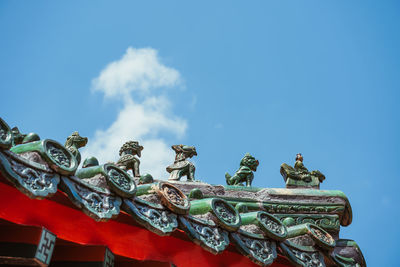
{"x":244,"y":174}
{"x":327,"y":222}
{"x":181,"y":165}
{"x":224,"y":213}
{"x":325,"y":237}
{"x":152,"y":216}
{"x":205,"y":233}
{"x":46,"y":246}
{"x":95,"y":201}
{"x":262,"y":250}
{"x":174,"y":196}
{"x":211,"y":236}
{"x":58,"y":155}
{"x":304,"y":208}
{"x":73,"y":143}
{"x":127,"y":160}
{"x":119,"y":179}
{"x":159,"y":219}
{"x":34,"y":179}
{"x":299,"y":176}
{"x":309,"y":259}
{"x":273,"y":226}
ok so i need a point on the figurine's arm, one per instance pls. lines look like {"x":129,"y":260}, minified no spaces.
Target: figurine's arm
{"x":135,"y":168}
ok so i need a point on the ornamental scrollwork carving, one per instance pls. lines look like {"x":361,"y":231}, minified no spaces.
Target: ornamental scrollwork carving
{"x":158,"y":218}
{"x":327,"y":222}
{"x":173,"y":198}
{"x":225,"y":213}
{"x":95,"y":202}
{"x":152,"y":216}
{"x":302,"y":255}
{"x":322,"y":235}
{"x":302,"y":208}
{"x":31,"y":178}
{"x":58,"y":155}
{"x":205,"y":233}
{"x":272,"y":225}
{"x":34,"y":179}
{"x":119,"y":179}
{"x":262,"y":250}
{"x":211,"y":236}
{"x":309,"y":259}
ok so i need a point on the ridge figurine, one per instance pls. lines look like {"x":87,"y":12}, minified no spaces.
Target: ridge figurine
{"x":248,"y":164}
{"x":127,"y":160}
{"x":20,"y":138}
{"x":73,"y":143}
{"x":299,"y":176}
{"x":181,"y":165}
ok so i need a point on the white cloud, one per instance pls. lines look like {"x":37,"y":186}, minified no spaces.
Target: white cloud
{"x":139,"y":70}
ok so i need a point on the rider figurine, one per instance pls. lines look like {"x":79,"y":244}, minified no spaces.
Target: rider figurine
{"x":181,"y":165}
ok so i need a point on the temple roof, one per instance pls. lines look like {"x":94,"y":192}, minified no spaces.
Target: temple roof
{"x":297,"y":225}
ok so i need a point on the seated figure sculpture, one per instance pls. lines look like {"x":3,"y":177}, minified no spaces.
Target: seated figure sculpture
{"x":181,"y":165}
{"x":127,"y":160}
{"x":248,"y":164}
{"x":299,"y":176}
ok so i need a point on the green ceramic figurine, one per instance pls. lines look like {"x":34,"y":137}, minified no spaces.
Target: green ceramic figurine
{"x":248,"y":164}
{"x":299,"y":176}
{"x":74,"y":142}
{"x":127,"y":160}
{"x":181,"y":165}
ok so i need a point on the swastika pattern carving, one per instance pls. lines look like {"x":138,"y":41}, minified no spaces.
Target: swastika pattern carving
{"x":108,"y":258}
{"x":45,"y":247}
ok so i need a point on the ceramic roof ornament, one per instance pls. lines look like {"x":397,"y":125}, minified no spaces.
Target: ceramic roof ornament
{"x":244,"y":174}
{"x":127,"y":160}
{"x":298,"y":225}
{"x":74,"y":142}
{"x":181,"y":166}
{"x":299,"y":176}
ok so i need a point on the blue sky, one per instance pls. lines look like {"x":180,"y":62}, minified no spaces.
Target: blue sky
{"x":272,"y":78}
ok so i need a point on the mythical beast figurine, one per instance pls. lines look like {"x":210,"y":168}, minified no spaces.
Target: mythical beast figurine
{"x":248,"y":164}
{"x":299,"y":176}
{"x":73,"y":143}
{"x":181,"y":165}
{"x":128,"y":161}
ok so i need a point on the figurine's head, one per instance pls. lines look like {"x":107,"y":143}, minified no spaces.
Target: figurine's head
{"x":299,"y":157}
{"x":76,"y":140}
{"x":131,"y":147}
{"x":249,"y":161}
{"x":190,"y":151}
